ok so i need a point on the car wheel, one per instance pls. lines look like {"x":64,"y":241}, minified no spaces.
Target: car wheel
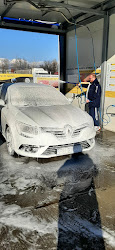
{"x":9,"y":142}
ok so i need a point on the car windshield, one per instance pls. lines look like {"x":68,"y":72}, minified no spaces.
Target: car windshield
{"x":36,"y":96}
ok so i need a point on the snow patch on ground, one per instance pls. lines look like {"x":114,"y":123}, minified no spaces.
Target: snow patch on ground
{"x":109,"y":236}
{"x":15,"y":216}
{"x":23,"y":183}
{"x":22,"y":218}
{"x":7,"y":189}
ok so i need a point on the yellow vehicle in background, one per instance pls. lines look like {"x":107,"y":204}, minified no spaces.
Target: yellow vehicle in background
{"x":39,"y":75}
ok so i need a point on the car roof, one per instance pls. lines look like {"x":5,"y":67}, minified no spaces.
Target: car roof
{"x":7,"y":86}
{"x":30,"y":84}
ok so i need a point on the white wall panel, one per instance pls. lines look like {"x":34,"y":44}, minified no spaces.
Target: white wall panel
{"x":111,"y":47}
{"x":85,"y":46}
{"x":86,"y":58}
{"x":110,"y":95}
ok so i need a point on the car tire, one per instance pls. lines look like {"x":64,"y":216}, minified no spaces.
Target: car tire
{"x":9,"y":141}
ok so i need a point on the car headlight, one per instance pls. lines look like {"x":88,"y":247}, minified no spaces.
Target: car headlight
{"x":26,"y":129}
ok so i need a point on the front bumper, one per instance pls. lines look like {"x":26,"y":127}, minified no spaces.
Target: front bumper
{"x":47,"y":145}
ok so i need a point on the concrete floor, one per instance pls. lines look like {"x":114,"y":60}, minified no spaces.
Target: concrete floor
{"x":65,"y":203}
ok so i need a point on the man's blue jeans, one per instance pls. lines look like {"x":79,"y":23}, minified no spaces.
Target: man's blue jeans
{"x":94,"y":112}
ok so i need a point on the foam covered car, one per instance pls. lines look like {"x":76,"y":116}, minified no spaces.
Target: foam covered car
{"x":38,"y":121}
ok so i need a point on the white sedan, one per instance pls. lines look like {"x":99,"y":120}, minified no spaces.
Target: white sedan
{"x":38,"y":121}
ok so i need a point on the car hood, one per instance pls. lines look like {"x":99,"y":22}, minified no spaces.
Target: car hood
{"x":53,"y":116}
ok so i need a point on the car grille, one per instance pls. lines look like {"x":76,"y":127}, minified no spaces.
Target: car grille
{"x":53,"y":149}
{"x":76,"y":132}
{"x":59,"y":133}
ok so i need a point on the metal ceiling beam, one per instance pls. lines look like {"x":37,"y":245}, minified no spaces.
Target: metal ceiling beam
{"x":45,"y":3}
{"x":112,"y":11}
{"x":83,"y":22}
{"x":7,"y":10}
{"x":104,"y":5}
{"x":22,"y":27}
{"x":32,"y":3}
{"x":72,"y":7}
{"x":107,"y":4}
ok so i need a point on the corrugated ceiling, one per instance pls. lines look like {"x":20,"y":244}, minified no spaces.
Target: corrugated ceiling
{"x":29,"y":13}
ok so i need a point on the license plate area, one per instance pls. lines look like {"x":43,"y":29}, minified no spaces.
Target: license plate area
{"x":69,"y":150}
{"x":64,"y":150}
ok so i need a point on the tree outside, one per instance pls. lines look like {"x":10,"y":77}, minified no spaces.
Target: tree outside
{"x":21,"y":64}
{"x":50,"y":66}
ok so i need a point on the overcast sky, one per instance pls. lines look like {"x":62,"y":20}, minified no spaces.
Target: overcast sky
{"x":28,"y":45}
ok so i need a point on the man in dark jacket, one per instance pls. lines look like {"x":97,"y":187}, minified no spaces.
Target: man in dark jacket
{"x":93,"y":97}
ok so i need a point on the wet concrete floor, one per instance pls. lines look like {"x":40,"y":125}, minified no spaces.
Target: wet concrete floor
{"x":64,"y":203}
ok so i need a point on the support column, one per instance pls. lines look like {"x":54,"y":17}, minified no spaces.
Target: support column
{"x":104,"y":62}
{"x":62,"y":62}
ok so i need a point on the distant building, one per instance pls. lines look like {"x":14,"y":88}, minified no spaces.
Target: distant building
{"x":41,"y":76}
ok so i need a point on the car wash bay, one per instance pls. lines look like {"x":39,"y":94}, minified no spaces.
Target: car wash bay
{"x":59,"y":203}
{"x":64,"y":202}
